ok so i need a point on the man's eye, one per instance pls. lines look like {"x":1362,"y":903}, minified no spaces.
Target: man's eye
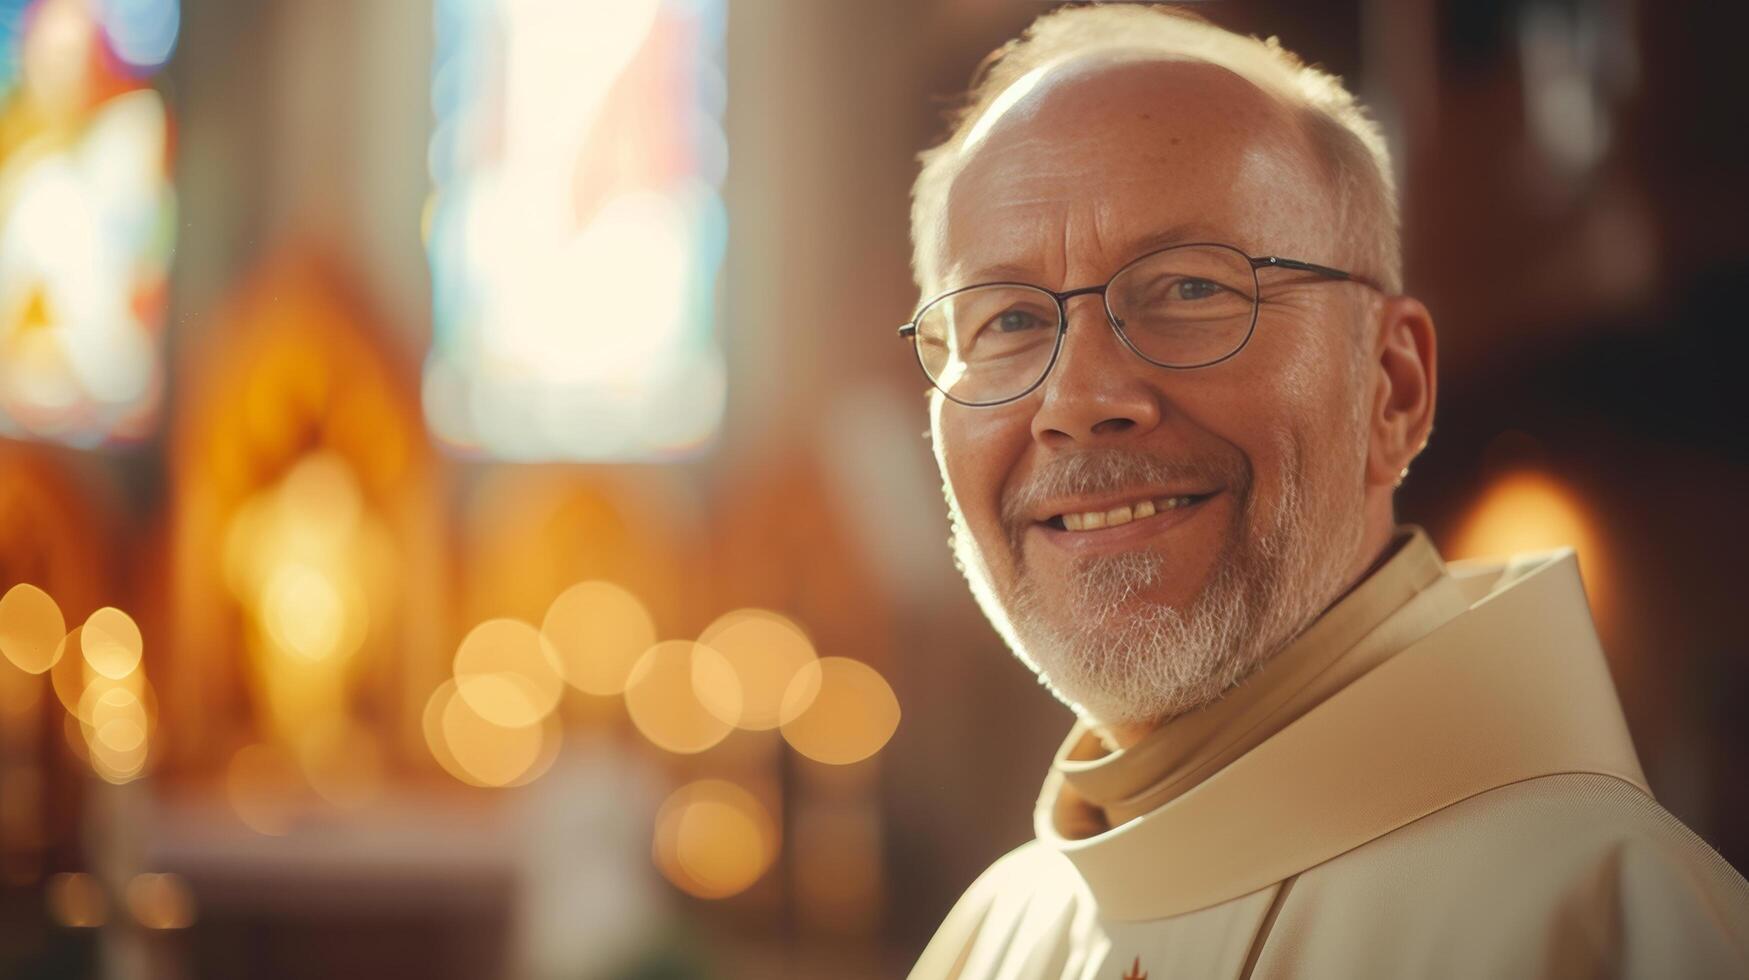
{"x":1013,"y":321}
{"x":1195,"y":289}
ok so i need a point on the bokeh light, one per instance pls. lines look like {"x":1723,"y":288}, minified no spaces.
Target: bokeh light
{"x":1528,"y":510}
{"x":115,"y":724}
{"x":110,"y":641}
{"x":431,"y":726}
{"x":851,"y":712}
{"x":598,"y":630}
{"x":507,"y":673}
{"x":77,"y":900}
{"x":115,"y":765}
{"x":765,"y":650}
{"x":160,"y":901}
{"x":142,"y":33}
{"x":713,"y":839}
{"x":667,"y":692}
{"x":478,"y":751}
{"x":31,"y":628}
{"x":126,"y":693}
{"x":1525,"y":510}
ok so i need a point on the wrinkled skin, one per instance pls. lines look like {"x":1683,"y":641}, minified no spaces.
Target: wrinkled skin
{"x":1327,"y":404}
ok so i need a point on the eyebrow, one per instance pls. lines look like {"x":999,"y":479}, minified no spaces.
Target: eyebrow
{"x":1181,"y":234}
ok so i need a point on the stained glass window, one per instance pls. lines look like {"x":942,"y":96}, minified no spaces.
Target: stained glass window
{"x":576,"y":228}
{"x":86,"y":216}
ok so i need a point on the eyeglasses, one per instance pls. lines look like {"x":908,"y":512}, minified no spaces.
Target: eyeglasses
{"x":1183,"y":307}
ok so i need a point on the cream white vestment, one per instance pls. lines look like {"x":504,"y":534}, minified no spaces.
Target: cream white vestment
{"x":1434,"y":780}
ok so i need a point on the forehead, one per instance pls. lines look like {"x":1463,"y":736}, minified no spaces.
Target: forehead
{"x":1099,"y":161}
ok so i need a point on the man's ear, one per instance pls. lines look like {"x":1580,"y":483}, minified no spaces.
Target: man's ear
{"x":1405,"y":376}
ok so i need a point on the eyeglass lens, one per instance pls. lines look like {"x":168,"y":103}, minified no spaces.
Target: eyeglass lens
{"x":1183,"y":307}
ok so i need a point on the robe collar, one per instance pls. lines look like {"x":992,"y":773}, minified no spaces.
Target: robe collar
{"x":1406,"y":597}
{"x":1513,"y":688}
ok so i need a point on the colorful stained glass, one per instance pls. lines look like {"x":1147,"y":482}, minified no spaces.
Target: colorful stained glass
{"x":86,"y":216}
{"x":576,"y":228}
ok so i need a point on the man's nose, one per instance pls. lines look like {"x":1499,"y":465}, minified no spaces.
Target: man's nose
{"x":1099,"y":389}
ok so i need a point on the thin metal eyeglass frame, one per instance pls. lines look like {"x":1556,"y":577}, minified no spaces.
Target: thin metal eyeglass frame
{"x":909,"y":330}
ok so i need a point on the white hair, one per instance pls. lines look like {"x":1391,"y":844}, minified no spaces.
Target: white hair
{"x":1349,"y":143}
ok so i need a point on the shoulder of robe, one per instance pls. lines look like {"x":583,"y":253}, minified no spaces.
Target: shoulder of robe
{"x":1567,"y":875}
{"x":1029,"y":884}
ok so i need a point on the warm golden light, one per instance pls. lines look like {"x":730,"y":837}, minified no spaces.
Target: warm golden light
{"x":307,"y":558}
{"x":110,"y":641}
{"x":122,"y":736}
{"x":507,"y":673}
{"x":116,"y":723}
{"x":131,"y":696}
{"x":481,"y":753}
{"x":765,"y":650}
{"x":76,"y":900}
{"x":1528,"y":511}
{"x":1524,"y":511}
{"x":303,"y":611}
{"x":161,"y":901}
{"x":105,"y":703}
{"x":713,"y":839}
{"x":31,"y":628}
{"x":851,"y":711}
{"x":324,"y":484}
{"x":598,"y":630}
{"x":118,"y":766}
{"x":662,"y":696}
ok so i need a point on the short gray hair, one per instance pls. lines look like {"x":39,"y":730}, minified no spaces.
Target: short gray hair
{"x":1350,"y":143}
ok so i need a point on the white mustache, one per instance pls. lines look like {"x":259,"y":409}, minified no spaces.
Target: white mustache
{"x":1113,"y":470}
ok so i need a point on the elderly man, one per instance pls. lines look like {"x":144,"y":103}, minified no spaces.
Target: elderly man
{"x":1177,"y":383}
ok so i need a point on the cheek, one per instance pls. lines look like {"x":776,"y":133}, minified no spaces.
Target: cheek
{"x":1304,"y":439}
{"x":978,"y":450}
{"x":1273,"y":413}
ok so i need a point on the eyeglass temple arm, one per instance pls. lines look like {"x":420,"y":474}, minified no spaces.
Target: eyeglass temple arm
{"x":1277,"y":262}
{"x":907,"y":329}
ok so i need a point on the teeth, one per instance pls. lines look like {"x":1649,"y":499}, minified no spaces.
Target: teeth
{"x":1094,"y":519}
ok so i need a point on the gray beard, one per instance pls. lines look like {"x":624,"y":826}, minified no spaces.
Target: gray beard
{"x":1119,"y":659}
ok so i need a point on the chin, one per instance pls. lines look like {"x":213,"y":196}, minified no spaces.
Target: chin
{"x":1124,"y":642}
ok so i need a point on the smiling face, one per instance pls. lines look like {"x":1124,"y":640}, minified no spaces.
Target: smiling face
{"x":1143,"y":537}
